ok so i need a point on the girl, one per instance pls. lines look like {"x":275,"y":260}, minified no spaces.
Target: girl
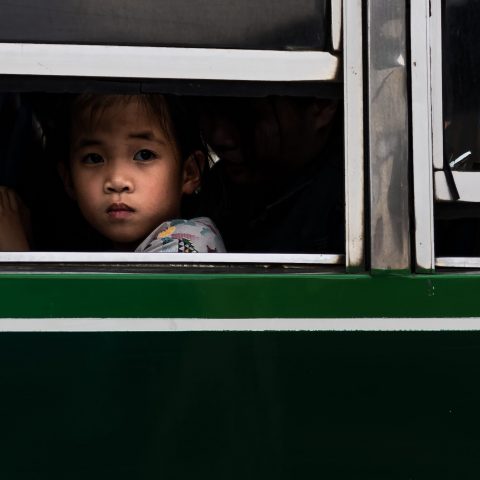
{"x":132,"y":160}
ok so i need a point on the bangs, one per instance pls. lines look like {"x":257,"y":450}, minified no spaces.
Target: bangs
{"x":89,"y":107}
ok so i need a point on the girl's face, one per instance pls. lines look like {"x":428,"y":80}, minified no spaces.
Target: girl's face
{"x":125,"y":173}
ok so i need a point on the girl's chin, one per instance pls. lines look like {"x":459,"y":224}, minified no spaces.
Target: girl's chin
{"x":123,"y":243}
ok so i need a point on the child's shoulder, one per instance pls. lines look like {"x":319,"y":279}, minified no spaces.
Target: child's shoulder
{"x":197,"y":235}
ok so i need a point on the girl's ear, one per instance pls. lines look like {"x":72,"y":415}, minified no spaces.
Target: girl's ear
{"x":64,"y":173}
{"x":192,"y":172}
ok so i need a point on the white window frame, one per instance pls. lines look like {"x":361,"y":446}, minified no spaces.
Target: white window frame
{"x":109,"y":61}
{"x":219,"y":64}
{"x":422,"y":62}
{"x":166,"y":63}
{"x":430,"y":182}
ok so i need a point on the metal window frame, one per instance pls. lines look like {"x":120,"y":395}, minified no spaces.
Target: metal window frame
{"x":170,"y":258}
{"x":354,"y":135}
{"x":218,"y":64}
{"x":458,"y":262}
{"x":336,"y":10}
{"x":425,"y":113}
{"x":110,"y":61}
{"x":466,"y":183}
{"x":430,"y":183}
{"x":388,"y":129}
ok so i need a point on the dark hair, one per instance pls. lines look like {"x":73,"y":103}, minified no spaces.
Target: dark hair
{"x":176,"y":120}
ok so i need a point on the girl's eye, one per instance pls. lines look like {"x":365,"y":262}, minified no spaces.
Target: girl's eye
{"x":144,"y":155}
{"x":92,"y":159}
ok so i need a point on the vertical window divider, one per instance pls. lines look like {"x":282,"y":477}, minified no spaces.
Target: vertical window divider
{"x":426,"y":112}
{"x":354,"y":135}
{"x":388,"y":129}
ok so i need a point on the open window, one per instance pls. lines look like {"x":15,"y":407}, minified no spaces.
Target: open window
{"x":445,"y":72}
{"x":280,"y":49}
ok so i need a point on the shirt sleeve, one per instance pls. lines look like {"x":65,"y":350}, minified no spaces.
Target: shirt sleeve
{"x":198,"y":235}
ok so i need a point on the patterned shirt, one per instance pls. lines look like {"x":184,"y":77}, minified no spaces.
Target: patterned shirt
{"x":198,"y":235}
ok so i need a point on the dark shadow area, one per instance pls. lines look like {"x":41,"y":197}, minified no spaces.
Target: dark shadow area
{"x":278,"y":185}
{"x":457,"y":225}
{"x":30,"y":144}
{"x":240,"y":405}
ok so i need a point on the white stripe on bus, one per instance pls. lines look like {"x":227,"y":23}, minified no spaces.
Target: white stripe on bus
{"x":236,"y":324}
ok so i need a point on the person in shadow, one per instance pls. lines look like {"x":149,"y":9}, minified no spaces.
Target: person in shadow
{"x":278,"y":184}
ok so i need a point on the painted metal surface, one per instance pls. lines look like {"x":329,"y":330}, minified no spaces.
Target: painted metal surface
{"x":467,"y":186}
{"x":162,"y":258}
{"x":166,"y":63}
{"x":336,"y":13}
{"x":239,"y":405}
{"x":238,"y":296}
{"x":135,"y":325}
{"x":422,"y":132}
{"x":388,"y":135}
{"x":422,"y":139}
{"x":354,"y":136}
{"x":437,"y":82}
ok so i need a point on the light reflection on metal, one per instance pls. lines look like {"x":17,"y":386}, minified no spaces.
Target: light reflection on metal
{"x":388,"y":133}
{"x":461,"y":158}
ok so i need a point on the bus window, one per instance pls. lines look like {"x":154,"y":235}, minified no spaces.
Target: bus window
{"x":293,"y":201}
{"x":457,"y":226}
{"x":250,"y":24}
{"x":284,"y":174}
{"x":461,"y":67}
{"x":446,"y":73}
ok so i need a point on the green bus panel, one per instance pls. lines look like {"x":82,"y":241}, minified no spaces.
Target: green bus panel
{"x":238,"y":296}
{"x":239,"y":405}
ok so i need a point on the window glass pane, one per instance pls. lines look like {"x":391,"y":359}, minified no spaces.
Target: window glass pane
{"x":457,"y":224}
{"x":250,"y":24}
{"x":461,"y":80}
{"x":276,"y":184}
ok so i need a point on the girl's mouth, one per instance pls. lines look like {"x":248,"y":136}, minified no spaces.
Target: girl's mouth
{"x":119,"y":210}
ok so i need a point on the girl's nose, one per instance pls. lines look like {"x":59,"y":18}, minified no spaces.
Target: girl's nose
{"x":118,"y":181}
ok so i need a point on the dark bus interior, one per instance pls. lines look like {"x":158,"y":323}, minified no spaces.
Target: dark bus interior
{"x":33,"y":111}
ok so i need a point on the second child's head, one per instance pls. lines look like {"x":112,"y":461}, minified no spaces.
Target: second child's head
{"x":132,"y":159}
